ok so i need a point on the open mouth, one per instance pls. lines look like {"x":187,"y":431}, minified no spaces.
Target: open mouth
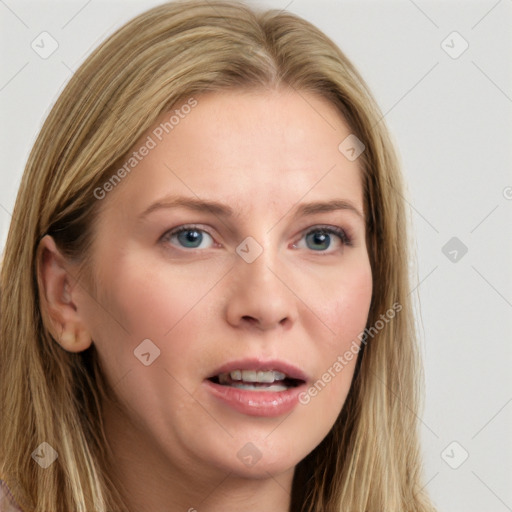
{"x":266,"y":380}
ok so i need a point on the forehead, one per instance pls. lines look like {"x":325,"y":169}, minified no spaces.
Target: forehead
{"x":253,"y":149}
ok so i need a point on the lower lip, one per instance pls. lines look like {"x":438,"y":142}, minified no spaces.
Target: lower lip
{"x":257,"y":403}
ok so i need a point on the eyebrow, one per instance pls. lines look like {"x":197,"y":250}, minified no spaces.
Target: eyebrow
{"x":223,"y":210}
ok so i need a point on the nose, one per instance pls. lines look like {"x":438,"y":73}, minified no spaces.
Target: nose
{"x":260,"y":297}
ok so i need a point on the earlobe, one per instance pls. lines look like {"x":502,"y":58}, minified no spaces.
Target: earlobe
{"x":60,"y":313}
{"x":74,"y":337}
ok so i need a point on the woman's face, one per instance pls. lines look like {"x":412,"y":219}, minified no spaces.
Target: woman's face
{"x":269,"y":273}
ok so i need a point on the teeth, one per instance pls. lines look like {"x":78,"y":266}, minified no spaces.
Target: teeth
{"x":261,"y":376}
{"x":223,"y":378}
{"x":266,"y":377}
{"x":273,"y":387}
{"x":236,"y":375}
{"x":249,"y":376}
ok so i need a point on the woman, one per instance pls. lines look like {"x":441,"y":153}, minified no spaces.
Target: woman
{"x":210,"y":307}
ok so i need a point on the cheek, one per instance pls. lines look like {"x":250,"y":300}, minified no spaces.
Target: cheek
{"x":352,"y":308}
{"x":345,"y":304}
{"x":148,"y":300}
{"x":156,"y":302}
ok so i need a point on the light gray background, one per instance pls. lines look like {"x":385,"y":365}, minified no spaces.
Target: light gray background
{"x":452,"y":121}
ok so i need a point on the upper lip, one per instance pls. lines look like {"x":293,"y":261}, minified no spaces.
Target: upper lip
{"x":255,"y":364}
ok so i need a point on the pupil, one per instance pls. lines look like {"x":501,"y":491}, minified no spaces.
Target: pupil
{"x":190,"y":238}
{"x":319,"y":238}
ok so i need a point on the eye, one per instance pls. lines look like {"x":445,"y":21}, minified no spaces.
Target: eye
{"x":189,"y":237}
{"x":322,"y":238}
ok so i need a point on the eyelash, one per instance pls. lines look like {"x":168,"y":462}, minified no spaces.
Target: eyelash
{"x":343,"y":236}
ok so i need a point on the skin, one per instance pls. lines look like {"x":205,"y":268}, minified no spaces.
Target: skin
{"x":262,"y":153}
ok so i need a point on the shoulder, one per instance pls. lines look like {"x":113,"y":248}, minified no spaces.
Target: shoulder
{"x":7,"y":501}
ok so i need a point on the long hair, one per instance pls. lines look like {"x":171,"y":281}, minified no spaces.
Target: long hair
{"x":370,"y":460}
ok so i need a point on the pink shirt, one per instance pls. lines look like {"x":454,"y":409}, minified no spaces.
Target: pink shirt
{"x":7,"y":501}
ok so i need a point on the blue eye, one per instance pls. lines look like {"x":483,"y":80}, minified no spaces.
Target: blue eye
{"x":189,"y":237}
{"x":322,"y":238}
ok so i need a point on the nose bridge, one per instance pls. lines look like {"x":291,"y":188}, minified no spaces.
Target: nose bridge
{"x":262,"y":260}
{"x":256,"y":265}
{"x":259,"y":293}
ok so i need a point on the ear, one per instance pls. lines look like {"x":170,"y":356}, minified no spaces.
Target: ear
{"x":60,"y":314}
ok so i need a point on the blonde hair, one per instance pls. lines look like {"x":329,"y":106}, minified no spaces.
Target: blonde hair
{"x":370,"y":460}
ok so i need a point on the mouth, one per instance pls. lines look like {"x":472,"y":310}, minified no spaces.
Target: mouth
{"x":257,"y":380}
{"x":257,"y":388}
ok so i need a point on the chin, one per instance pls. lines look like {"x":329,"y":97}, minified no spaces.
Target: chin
{"x":259,"y":458}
